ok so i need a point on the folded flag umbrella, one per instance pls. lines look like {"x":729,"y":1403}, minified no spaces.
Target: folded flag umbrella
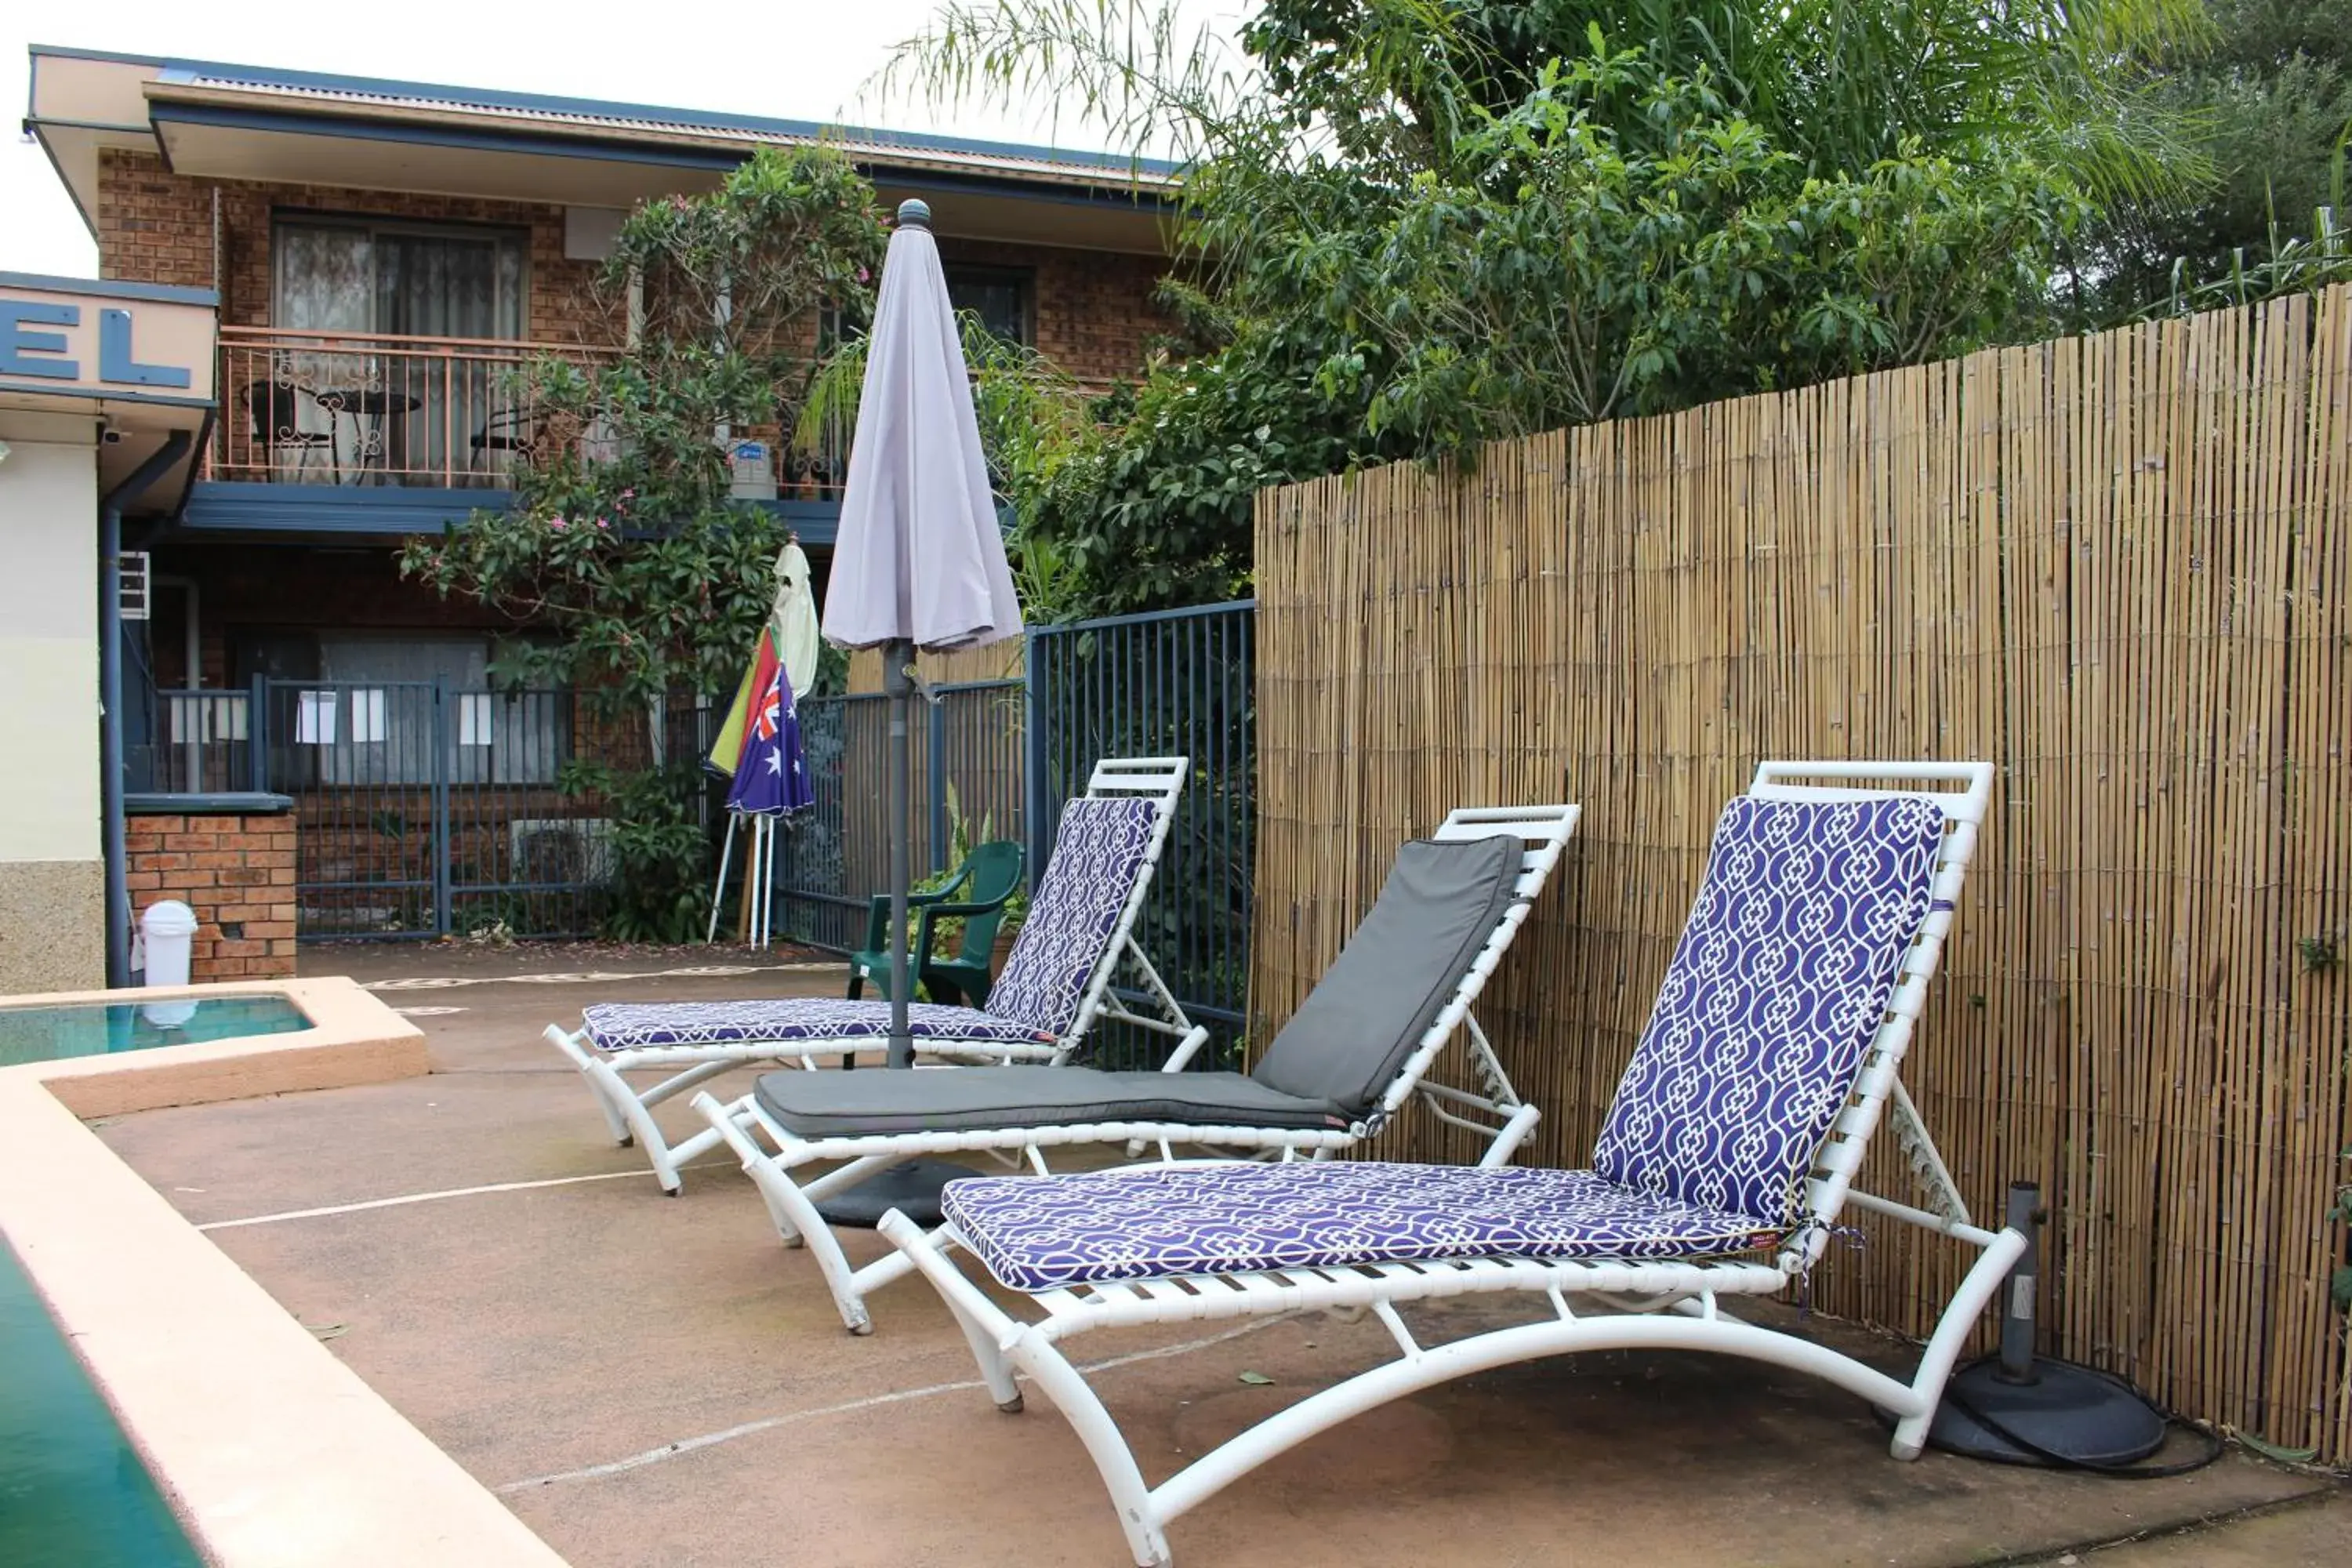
{"x":727,"y":749}
{"x":772,"y":779}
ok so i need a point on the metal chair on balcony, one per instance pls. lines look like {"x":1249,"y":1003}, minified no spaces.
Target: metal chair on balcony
{"x":515,"y":431}
{"x":276,"y":410}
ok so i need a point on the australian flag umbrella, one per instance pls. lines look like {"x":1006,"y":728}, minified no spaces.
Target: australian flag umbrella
{"x":772,"y":779}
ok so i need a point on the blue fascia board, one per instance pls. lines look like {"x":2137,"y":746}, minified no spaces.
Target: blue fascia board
{"x":217,"y":506}
{"x":166,"y":293}
{"x":327,"y":511}
{"x":110,"y":57}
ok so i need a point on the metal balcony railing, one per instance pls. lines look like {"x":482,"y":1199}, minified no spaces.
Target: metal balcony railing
{"x":349,"y":408}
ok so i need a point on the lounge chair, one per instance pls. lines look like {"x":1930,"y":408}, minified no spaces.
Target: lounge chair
{"x":1724,"y":1164}
{"x":1055,"y":986}
{"x":1360,"y":1047}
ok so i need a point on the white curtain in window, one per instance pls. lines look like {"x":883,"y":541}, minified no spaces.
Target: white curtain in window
{"x":404,"y":409}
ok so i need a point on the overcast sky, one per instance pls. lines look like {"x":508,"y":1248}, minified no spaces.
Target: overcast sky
{"x":797,"y":59}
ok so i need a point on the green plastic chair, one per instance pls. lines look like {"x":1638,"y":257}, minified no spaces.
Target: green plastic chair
{"x":991,"y":874}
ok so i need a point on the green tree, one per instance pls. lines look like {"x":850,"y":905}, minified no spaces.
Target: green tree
{"x":623,"y":542}
{"x":1412,"y":225}
{"x":2269,"y":99}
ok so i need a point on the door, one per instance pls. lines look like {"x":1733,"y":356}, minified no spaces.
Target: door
{"x":405,"y":377}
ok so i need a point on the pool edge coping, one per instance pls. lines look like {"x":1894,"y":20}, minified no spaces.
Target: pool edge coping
{"x":271,"y":1452}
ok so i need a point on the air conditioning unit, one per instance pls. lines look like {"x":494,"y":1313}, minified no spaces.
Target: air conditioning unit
{"x":575,"y":851}
{"x":131,"y":568}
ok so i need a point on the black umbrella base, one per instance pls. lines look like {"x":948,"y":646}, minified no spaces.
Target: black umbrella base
{"x":2069,"y":1414}
{"x":913,"y":1189}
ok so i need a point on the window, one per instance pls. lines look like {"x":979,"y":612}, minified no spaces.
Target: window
{"x":370,"y":708}
{"x":388,"y":409}
{"x":999,"y":296}
{"x":355,"y":276}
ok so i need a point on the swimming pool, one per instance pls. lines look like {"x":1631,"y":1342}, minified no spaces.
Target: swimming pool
{"x":97,"y":1029}
{"x":72,"y":1492}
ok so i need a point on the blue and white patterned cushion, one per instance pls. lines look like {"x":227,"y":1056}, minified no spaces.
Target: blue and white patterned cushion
{"x":645,"y":1025}
{"x":1047,"y":1233}
{"x":1780,"y":982}
{"x":1098,"y":855}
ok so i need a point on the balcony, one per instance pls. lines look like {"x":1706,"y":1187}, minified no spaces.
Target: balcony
{"x":391,"y":435}
{"x":300,"y":407}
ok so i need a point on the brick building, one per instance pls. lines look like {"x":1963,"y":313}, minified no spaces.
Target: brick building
{"x":383,"y":255}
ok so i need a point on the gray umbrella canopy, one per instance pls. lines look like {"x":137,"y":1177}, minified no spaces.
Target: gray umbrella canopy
{"x":919,"y":560}
{"x":919,"y":557}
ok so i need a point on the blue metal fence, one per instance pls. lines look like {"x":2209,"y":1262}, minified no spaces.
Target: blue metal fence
{"x":423,"y":808}
{"x":1172,"y":683}
{"x":1004,"y":755}
{"x":965,"y":751}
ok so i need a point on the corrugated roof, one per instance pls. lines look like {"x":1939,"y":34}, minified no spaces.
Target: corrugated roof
{"x":636,"y":122}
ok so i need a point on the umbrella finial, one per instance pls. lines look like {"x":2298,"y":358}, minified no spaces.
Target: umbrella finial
{"x":914,"y":213}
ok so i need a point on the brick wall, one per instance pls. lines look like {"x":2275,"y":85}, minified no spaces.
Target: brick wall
{"x":1093,"y":309}
{"x":255,"y":587}
{"x":155,"y":227}
{"x":236,"y":873}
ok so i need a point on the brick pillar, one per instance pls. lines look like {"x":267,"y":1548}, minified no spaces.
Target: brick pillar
{"x":236,"y":873}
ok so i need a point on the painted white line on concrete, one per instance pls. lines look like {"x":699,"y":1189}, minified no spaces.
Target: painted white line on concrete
{"x":434,"y":1197}
{"x":594,"y":976}
{"x":770,"y":1423}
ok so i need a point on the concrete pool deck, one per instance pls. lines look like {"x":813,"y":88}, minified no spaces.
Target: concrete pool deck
{"x":647,"y":1381}
{"x":271,"y":1452}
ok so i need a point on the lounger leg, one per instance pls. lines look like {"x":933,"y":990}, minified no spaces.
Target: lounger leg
{"x":621,"y":1105}
{"x":905,"y":1236}
{"x":1952,"y":1328}
{"x":796,"y":1216}
{"x":570,"y":1047}
{"x":1513,"y":1134}
{"x":1035,"y":1354}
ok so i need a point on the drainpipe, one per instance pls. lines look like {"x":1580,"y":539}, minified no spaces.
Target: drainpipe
{"x":109,"y":694}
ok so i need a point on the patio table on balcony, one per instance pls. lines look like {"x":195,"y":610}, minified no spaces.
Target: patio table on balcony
{"x":370,"y":410}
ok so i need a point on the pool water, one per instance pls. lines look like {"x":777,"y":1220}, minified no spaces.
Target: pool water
{"x":72,"y":1492}
{"x":96,"y":1028}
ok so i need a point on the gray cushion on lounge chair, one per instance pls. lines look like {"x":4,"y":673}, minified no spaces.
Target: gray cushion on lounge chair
{"x":1347,"y":1039}
{"x":877,"y":1101}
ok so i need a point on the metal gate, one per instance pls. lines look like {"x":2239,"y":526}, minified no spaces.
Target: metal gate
{"x":425,"y":809}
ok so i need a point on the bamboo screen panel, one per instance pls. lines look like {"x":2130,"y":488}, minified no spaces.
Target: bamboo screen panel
{"x":2121,"y":568}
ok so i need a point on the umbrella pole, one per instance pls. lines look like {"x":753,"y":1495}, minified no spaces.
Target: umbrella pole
{"x":896,"y":659}
{"x":719,"y":893}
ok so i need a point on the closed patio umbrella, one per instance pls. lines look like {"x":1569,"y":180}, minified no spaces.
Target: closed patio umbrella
{"x":919,"y":559}
{"x":791,"y":624}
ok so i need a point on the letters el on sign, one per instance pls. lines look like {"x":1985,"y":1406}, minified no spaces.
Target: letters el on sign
{"x":31,"y":347}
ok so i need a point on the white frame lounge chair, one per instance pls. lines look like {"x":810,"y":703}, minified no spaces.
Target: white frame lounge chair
{"x":1704,"y":1157}
{"x":1055,"y":986}
{"x":1362,"y":1046}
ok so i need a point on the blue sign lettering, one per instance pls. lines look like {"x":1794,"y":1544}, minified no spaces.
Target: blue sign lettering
{"x":115,"y":363}
{"x":16,"y":342}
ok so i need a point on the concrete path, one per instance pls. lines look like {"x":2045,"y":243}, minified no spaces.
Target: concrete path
{"x":654,"y":1382}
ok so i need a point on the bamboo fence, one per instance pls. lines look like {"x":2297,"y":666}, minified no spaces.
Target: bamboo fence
{"x":2120,"y":567}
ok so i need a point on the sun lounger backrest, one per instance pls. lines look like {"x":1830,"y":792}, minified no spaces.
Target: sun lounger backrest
{"x":1100,"y":850}
{"x":1434,"y":915}
{"x":1776,"y":990}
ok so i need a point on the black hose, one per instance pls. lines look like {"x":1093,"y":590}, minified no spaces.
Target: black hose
{"x":2135,"y":1472}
